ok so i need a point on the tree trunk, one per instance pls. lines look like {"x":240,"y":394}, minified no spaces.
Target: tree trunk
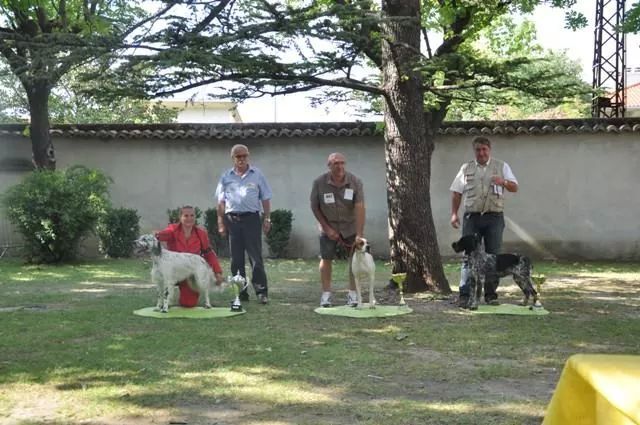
{"x":408,"y":147}
{"x":41,"y":144}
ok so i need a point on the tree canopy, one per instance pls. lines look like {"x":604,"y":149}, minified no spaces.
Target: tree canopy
{"x":71,"y":103}
{"x":41,"y":41}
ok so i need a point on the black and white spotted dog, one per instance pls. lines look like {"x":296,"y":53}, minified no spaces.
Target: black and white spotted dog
{"x":482,"y":264}
{"x":169,"y":268}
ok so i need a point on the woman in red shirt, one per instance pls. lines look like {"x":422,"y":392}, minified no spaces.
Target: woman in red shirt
{"x":187,"y":237}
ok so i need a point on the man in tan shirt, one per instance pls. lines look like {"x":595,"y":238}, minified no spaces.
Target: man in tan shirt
{"x":337,"y":202}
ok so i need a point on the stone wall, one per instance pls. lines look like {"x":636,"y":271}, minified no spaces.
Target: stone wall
{"x":578,"y":196}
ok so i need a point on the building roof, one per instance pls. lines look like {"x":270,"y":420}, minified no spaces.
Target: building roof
{"x":633,"y":96}
{"x":335,"y":129}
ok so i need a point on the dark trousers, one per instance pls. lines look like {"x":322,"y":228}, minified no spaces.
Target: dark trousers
{"x":245,"y":234}
{"x":490,"y":226}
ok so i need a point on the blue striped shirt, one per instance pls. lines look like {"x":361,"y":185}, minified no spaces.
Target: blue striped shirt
{"x":243,"y":193}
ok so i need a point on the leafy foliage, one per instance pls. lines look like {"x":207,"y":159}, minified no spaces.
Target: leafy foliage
{"x":219,"y":244}
{"x":117,"y":229}
{"x":71,"y":102}
{"x":632,"y":18}
{"x":42,"y":41}
{"x":54,"y":210}
{"x":278,"y":236}
{"x":532,"y":82}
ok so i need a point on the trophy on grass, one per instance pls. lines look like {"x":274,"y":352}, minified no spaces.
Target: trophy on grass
{"x":539,"y":281}
{"x":238,"y":283}
{"x":398,"y":279}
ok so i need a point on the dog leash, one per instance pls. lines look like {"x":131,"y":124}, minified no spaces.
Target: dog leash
{"x":344,"y":243}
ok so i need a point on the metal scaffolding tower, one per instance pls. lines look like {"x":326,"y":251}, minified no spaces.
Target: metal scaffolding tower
{"x":609,"y":59}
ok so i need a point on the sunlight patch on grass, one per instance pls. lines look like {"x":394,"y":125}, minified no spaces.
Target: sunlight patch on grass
{"x":390,"y":329}
{"x":89,"y":290}
{"x":120,"y":284}
{"x":23,"y":278}
{"x":27,"y":403}
{"x":608,"y":275}
{"x":259,"y":384}
{"x":261,"y":422}
{"x":492,"y":407}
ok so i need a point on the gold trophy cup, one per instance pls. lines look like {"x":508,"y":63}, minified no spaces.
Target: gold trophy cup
{"x":539,"y":280}
{"x":398,"y":279}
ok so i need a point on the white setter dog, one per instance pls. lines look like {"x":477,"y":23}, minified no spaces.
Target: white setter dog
{"x":364,"y":269}
{"x":170,"y":268}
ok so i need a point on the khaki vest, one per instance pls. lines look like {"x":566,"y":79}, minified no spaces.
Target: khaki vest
{"x":480,"y":194}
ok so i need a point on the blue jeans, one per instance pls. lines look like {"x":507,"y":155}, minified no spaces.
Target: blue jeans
{"x":490,"y":227}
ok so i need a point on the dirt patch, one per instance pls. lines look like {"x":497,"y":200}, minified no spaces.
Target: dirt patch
{"x":34,"y":408}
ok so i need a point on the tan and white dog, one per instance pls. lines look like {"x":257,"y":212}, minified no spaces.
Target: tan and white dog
{"x":364,"y":270}
{"x":169,"y":268}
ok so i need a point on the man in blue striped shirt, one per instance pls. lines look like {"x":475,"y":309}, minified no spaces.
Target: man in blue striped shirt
{"x":242,"y":193}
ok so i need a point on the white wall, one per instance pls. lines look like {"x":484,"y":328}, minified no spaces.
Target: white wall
{"x":578,"y":193}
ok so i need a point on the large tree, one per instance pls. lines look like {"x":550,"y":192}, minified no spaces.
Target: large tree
{"x":42,"y":40}
{"x":423,"y":51}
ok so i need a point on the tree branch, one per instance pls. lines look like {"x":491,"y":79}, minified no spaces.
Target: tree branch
{"x":211,"y":16}
{"x":313,"y":82}
{"x":149,"y":19}
{"x":426,"y":41}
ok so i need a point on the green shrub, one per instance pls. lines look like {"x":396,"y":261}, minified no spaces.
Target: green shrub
{"x":117,"y":229}
{"x":54,"y":210}
{"x":278,"y":237}
{"x":219,"y":244}
{"x":174,"y":215}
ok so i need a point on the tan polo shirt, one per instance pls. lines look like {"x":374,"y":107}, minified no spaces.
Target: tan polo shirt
{"x":337,"y":202}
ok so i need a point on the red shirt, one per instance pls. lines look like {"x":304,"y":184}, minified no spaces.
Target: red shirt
{"x":173,"y":235}
{"x":197,"y":242}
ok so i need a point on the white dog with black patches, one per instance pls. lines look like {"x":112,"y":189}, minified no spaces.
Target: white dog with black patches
{"x":364,"y":269}
{"x":169,"y":268}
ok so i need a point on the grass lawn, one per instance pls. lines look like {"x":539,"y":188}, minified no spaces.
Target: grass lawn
{"x":72,"y":352}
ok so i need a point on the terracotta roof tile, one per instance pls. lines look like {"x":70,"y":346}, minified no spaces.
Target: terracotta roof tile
{"x":348,"y":129}
{"x":633,"y":96}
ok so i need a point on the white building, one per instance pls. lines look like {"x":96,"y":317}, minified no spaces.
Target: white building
{"x":204,"y":111}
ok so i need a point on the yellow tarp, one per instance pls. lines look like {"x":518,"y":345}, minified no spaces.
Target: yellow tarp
{"x":597,"y":389}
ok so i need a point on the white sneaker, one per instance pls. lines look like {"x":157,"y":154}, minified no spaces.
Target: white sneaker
{"x":325,"y":299}
{"x":352,"y":298}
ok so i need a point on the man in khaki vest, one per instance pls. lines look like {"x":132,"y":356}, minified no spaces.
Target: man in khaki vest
{"x":337,"y":202}
{"x":483,"y":182}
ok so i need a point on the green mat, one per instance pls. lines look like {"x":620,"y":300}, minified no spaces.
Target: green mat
{"x":189,"y":313}
{"x":379,"y":311}
{"x":517,"y":310}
